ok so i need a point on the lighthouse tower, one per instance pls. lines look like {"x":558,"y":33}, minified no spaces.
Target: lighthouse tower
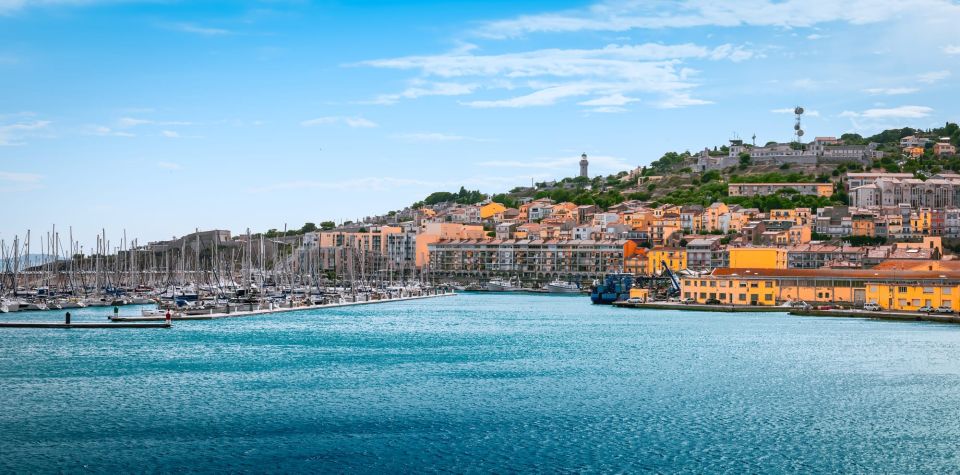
{"x":583,"y":165}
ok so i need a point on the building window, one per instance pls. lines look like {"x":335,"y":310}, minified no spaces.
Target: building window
{"x":947,"y":290}
{"x":768,"y":284}
{"x":916,"y":302}
{"x":928,"y":290}
{"x":901,"y":289}
{"x":742,"y":297}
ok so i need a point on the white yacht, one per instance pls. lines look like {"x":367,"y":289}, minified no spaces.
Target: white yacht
{"x":561,"y":287}
{"x":501,"y":285}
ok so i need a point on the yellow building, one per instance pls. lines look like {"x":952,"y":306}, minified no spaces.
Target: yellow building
{"x":921,"y":221}
{"x":711,"y":216}
{"x":490,"y":209}
{"x":863,"y":225}
{"x":899,"y":290}
{"x":912,"y":296}
{"x":674,"y":257}
{"x":731,"y":291}
{"x":758,"y":258}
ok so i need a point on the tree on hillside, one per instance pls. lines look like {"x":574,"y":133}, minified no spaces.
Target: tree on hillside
{"x":308,"y":228}
{"x":327,"y":225}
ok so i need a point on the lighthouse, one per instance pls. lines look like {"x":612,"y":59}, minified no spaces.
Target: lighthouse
{"x":583,"y":165}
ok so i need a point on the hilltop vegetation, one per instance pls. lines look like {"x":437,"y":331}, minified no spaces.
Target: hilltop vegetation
{"x":672,"y":179}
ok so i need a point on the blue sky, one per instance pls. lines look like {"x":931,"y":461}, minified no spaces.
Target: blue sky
{"x":159,"y":117}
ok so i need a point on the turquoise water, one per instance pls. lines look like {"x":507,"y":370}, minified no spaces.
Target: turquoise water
{"x":481,"y":383}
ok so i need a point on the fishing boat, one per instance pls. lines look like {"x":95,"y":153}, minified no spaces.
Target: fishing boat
{"x":501,"y":285}
{"x":561,"y":287}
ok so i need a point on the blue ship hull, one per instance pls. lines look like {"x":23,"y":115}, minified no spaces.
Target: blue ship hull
{"x":615,"y":287}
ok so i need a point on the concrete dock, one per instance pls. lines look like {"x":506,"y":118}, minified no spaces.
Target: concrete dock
{"x":216,"y":316}
{"x":694,"y":307}
{"x":81,"y":325}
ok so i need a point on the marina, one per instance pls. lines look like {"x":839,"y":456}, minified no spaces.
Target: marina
{"x":517,"y":381}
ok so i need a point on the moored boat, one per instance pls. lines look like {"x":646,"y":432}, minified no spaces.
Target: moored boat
{"x":615,"y":287}
{"x":501,"y":285}
{"x":561,"y":287}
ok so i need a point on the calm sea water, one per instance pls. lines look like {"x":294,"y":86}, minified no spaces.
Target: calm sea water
{"x":480,"y":383}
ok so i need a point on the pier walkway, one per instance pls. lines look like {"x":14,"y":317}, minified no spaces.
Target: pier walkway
{"x":216,"y":316}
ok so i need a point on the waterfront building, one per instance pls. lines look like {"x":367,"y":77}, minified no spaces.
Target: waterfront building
{"x":895,"y":287}
{"x":526,"y":258}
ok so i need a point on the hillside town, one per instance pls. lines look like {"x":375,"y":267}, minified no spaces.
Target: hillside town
{"x":837,"y":221}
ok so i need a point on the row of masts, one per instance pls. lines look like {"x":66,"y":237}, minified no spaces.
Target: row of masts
{"x":246,"y":262}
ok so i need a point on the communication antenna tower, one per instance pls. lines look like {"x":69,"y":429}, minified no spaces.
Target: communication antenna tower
{"x":797,"y":130}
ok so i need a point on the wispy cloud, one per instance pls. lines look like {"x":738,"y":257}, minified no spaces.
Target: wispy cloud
{"x":129,"y":122}
{"x":790,"y":110}
{"x":891,"y":91}
{"x":901,"y":112}
{"x":550,"y":76}
{"x":933,"y":76}
{"x":170,"y":134}
{"x":105,"y":131}
{"x":951,"y":49}
{"x":611,"y":100}
{"x":169,"y":165}
{"x":355,"y":122}
{"x":19,"y":182}
{"x":13,"y":134}
{"x":200,"y":30}
{"x":419,"y":137}
{"x":420,"y":88}
{"x":618,"y":15}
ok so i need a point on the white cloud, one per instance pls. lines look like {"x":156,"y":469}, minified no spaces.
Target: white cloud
{"x":891,"y":91}
{"x":13,"y":134}
{"x":790,"y":110}
{"x":107,"y":131}
{"x":355,"y":122}
{"x":933,"y":76}
{"x":169,"y":165}
{"x":200,"y":30}
{"x":420,"y":88}
{"x":170,"y":134}
{"x":816,"y":36}
{"x":553,"y":75}
{"x":675,"y":101}
{"x":619,"y":15}
{"x":951,"y":49}
{"x":433,"y":137}
{"x":608,"y":110}
{"x":901,"y":112}
{"x":14,"y":177}
{"x":130,"y":122}
{"x":611,"y":100}
{"x":11,"y":182}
